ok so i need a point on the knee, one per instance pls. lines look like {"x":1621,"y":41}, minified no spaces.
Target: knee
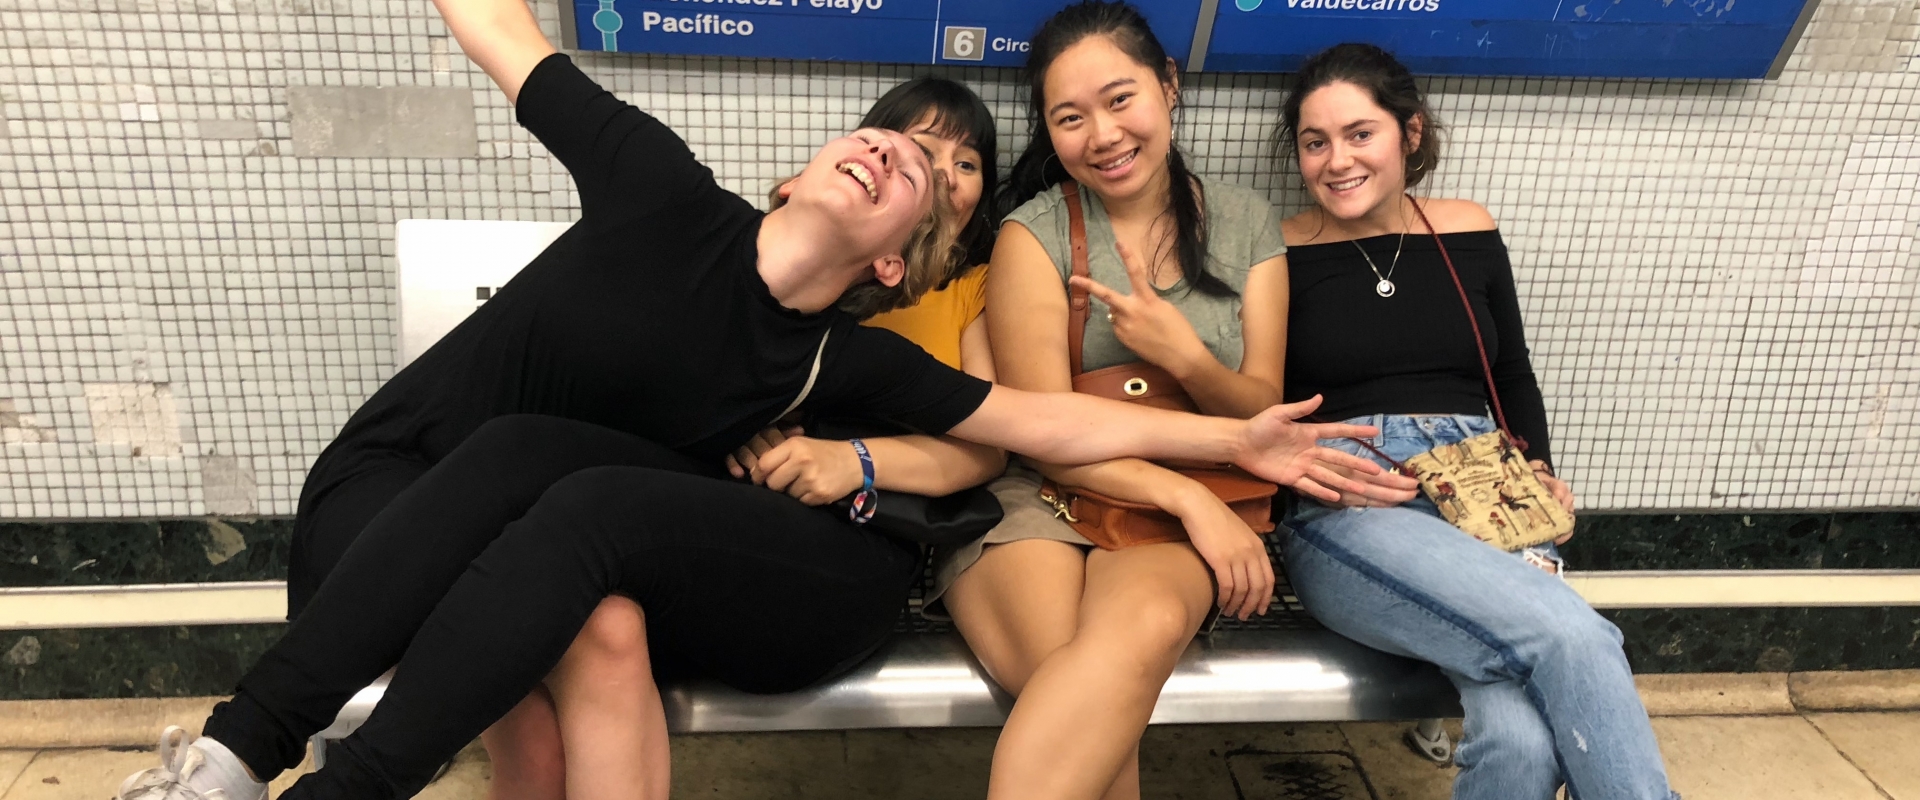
{"x":576,"y":506}
{"x":615,"y":635}
{"x":1154,"y":627}
{"x":1570,"y":636}
{"x":514,"y":434}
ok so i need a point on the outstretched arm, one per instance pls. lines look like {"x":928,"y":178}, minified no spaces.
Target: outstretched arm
{"x":1070,"y":428}
{"x":499,"y":35}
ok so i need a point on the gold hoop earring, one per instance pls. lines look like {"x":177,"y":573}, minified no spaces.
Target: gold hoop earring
{"x":1422,"y":165}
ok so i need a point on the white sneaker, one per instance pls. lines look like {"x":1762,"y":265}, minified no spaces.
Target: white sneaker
{"x":178,"y":767}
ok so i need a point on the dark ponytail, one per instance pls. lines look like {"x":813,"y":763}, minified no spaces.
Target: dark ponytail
{"x":1039,"y":168}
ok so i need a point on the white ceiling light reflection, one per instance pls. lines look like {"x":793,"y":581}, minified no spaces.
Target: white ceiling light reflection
{"x":1253,"y":676}
{"x":928,"y":682}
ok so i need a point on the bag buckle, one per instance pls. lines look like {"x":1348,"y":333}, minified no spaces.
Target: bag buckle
{"x":1060,"y":508}
{"x":1134,"y":387}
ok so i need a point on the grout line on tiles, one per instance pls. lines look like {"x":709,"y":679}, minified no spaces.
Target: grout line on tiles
{"x":8,"y":788}
{"x":1849,"y":759}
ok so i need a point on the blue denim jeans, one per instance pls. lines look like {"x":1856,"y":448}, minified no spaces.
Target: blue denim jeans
{"x":1548,"y":695}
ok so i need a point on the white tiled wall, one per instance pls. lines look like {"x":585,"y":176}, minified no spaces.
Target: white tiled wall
{"x":1719,"y":278}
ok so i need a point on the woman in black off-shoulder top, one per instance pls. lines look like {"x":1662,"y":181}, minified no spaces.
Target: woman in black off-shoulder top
{"x":1377,"y":326}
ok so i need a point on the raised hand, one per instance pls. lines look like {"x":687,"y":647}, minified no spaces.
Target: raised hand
{"x":1147,"y":324}
{"x":1278,"y":448}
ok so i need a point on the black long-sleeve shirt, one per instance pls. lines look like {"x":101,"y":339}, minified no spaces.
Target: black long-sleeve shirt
{"x":1412,"y":353}
{"x":648,"y":316}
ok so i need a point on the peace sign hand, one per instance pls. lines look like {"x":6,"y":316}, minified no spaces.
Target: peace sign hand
{"x":1147,"y":324}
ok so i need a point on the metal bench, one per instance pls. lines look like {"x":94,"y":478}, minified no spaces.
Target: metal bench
{"x":1283,"y":667}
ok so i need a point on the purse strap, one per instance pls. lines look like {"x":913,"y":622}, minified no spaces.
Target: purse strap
{"x":1479,"y":342}
{"x":1077,"y":300}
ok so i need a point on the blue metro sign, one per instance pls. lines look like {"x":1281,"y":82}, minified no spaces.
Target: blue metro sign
{"x":1585,"y":38}
{"x":990,"y":33}
{"x":1712,"y":39}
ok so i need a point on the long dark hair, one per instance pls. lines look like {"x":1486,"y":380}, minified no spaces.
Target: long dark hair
{"x":1383,"y":78}
{"x":957,"y":114}
{"x":1039,"y":167}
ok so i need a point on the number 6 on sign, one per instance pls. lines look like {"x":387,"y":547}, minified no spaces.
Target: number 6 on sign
{"x":963,"y":44}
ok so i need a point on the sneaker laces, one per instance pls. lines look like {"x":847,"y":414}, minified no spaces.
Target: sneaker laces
{"x":168,"y":781}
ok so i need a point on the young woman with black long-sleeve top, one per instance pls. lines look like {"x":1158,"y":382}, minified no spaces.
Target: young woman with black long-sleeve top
{"x":563,"y":443}
{"x":1548,"y":693}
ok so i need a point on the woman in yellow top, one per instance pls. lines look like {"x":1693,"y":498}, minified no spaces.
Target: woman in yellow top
{"x":601,"y":731}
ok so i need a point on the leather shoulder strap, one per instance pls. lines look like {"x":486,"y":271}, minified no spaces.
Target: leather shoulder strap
{"x":1479,"y":342}
{"x":1077,"y":300}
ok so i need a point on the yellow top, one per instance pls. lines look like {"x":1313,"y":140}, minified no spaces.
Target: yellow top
{"x":936,"y":322}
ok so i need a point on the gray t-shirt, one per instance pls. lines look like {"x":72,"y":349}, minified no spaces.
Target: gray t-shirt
{"x":1243,"y":229}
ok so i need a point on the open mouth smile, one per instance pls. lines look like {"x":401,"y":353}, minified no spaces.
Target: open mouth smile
{"x":859,"y":172}
{"x":1117,"y":164}
{"x":1350,"y":183}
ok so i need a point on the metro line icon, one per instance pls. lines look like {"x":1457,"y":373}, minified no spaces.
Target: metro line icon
{"x":961,"y":43}
{"x":1247,"y":5}
{"x":608,"y":22}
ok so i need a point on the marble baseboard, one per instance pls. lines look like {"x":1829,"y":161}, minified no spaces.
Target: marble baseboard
{"x":1680,"y":640}
{"x":146,"y":551}
{"x":188,"y":550}
{"x":129,"y":662}
{"x":190,"y":661}
{"x":1813,"y":540}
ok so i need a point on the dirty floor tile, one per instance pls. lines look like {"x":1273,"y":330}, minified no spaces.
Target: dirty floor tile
{"x":12,"y":763}
{"x":1395,"y":771}
{"x":78,"y":774}
{"x":1742,"y":758}
{"x":1884,"y":745}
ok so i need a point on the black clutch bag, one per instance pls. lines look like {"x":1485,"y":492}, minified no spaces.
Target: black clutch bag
{"x":953,"y":520}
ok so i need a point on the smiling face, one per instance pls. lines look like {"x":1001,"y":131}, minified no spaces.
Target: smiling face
{"x":1110,"y":118}
{"x":1353,"y":157}
{"x":957,"y":160}
{"x":875,"y":186}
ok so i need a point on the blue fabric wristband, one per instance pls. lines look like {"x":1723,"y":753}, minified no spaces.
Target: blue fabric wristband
{"x":866,"y":500}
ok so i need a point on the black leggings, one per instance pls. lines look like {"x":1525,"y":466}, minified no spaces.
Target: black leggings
{"x":476,"y":577}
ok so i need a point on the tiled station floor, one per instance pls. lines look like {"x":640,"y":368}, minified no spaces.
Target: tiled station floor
{"x":1796,"y":755}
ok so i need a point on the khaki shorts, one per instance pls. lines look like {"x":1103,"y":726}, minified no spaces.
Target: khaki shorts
{"x":1026,"y":517}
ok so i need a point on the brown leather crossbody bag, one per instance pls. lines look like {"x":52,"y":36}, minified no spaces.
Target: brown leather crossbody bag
{"x":1107,"y":521}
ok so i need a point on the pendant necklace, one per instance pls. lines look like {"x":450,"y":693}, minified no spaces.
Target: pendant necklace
{"x":1385,"y":287}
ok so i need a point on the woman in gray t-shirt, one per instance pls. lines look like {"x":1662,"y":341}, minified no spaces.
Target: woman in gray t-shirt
{"x":1186,"y":274}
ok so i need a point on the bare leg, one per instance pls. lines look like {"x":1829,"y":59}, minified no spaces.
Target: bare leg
{"x":1079,"y":720}
{"x":1017,"y":605}
{"x":524,"y":746}
{"x":610,"y":714}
